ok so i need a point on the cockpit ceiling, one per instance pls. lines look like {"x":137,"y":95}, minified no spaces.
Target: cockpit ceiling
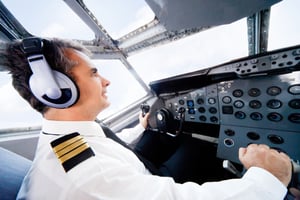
{"x":174,"y":20}
{"x":178,"y":14}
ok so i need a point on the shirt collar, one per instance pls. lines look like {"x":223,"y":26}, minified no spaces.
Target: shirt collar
{"x":87,"y":128}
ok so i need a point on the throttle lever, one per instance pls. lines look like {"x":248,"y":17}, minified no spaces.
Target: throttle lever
{"x":296,"y":167}
{"x":294,"y":183}
{"x":145,"y":109}
{"x":231,"y":168}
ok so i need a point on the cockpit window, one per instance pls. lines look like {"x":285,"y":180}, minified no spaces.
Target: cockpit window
{"x":49,"y":19}
{"x":284,"y":28}
{"x":123,"y":88}
{"x":203,"y":50}
{"x":14,"y":111}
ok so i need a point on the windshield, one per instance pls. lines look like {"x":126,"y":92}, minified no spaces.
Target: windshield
{"x":193,"y":53}
{"x":202,"y":50}
{"x":284,"y":30}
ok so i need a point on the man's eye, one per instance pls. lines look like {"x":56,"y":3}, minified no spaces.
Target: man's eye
{"x":95,"y":71}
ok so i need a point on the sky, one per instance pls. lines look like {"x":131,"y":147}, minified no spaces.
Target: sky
{"x":55,"y":19}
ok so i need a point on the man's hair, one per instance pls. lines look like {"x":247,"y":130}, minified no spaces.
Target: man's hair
{"x":15,"y":61}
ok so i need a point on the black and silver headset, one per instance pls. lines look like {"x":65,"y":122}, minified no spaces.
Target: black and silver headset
{"x":49,"y":86}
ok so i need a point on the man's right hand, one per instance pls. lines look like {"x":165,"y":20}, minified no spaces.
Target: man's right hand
{"x":260,"y":155}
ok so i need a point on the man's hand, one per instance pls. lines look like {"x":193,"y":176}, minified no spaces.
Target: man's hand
{"x":279,"y":164}
{"x":144,"y":120}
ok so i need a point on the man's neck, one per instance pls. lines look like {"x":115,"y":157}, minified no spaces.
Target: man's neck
{"x":69,"y":114}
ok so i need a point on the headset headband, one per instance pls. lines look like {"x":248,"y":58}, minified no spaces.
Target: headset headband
{"x":32,"y":46}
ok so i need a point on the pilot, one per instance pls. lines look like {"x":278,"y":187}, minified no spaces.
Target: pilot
{"x":76,"y":159}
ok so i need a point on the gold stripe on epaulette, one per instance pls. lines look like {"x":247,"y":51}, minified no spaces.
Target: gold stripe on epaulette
{"x":73,"y":153}
{"x":66,"y":143}
{"x":70,"y":147}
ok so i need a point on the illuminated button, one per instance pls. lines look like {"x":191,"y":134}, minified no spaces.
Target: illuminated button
{"x":211,"y":100}
{"x":226,"y":100}
{"x":254,"y":92}
{"x":190,"y":103}
{"x":191,"y":111}
{"x":237,"y":93}
{"x":273,"y":90}
{"x":294,"y":89}
{"x":238,"y":104}
{"x":274,"y":104}
{"x":159,"y":116}
{"x":255,"y":104}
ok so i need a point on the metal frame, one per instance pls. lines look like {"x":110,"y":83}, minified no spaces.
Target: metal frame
{"x":258,"y":32}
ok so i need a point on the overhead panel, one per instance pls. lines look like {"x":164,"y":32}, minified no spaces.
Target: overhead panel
{"x":178,"y":14}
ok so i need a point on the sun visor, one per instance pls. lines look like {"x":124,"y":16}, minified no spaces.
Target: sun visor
{"x":179,"y":14}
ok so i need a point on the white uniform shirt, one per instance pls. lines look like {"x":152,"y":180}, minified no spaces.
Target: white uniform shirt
{"x":116,"y":173}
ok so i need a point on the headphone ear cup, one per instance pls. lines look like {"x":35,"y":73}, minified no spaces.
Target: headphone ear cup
{"x":68,"y":88}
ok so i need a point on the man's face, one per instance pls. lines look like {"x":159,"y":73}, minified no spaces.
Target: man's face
{"x":91,"y":85}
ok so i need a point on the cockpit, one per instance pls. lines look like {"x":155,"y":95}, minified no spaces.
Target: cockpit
{"x":223,"y":72}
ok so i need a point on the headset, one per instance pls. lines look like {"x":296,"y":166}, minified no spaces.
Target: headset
{"x":52,"y":88}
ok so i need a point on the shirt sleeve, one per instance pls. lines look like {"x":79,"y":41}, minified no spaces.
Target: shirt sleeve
{"x":126,"y":183}
{"x":257,"y":183}
{"x":131,"y":135}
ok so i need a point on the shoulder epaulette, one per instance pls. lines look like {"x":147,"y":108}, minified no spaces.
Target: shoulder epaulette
{"x":71,"y":150}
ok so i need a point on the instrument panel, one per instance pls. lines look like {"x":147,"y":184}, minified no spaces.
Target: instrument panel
{"x":262,"y":109}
